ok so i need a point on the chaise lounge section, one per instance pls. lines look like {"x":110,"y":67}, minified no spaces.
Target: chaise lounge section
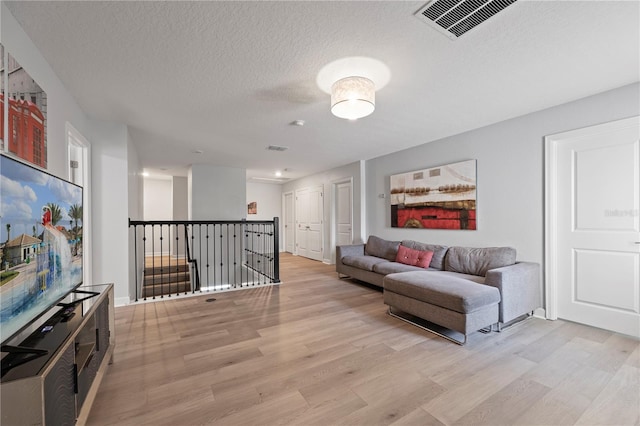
{"x":461,"y":288}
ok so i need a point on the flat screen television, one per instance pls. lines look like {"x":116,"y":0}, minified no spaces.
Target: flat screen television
{"x":40,"y":241}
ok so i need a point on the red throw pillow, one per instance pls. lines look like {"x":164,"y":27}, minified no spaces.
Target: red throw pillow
{"x":424,"y":258}
{"x":407,"y":256}
{"x":413,"y":257}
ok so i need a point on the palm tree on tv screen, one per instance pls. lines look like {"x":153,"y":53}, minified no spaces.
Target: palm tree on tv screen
{"x":56,"y":213}
{"x":75,"y":213}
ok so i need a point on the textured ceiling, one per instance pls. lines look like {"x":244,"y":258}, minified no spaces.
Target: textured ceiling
{"x":227,"y":78}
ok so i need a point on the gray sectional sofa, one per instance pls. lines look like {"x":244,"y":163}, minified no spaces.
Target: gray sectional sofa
{"x":463,"y":289}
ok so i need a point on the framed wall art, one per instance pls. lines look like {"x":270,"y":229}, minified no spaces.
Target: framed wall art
{"x":2,"y":109}
{"x":441,"y":197}
{"x":252,"y":207}
{"x":24,"y":107}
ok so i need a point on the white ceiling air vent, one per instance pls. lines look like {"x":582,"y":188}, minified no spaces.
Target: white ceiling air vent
{"x":270,"y":180}
{"x":277,"y":148}
{"x":455,"y":17}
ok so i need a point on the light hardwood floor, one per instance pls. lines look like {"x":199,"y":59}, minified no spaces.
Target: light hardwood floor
{"x":317,"y":350}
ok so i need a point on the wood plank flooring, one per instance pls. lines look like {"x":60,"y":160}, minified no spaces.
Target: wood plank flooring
{"x":317,"y":350}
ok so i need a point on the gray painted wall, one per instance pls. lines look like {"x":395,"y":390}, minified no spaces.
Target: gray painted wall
{"x":269,"y":199}
{"x":217,"y":193}
{"x":510,"y":172}
{"x":179,"y":191}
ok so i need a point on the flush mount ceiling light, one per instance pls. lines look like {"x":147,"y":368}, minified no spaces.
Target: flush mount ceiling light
{"x":353,"y":97}
{"x":352,"y":83}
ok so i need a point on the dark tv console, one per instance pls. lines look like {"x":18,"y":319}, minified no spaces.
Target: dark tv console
{"x":51,"y":372}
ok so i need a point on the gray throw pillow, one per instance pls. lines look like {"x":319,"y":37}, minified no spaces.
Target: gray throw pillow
{"x":437,"y":261}
{"x":378,"y":247}
{"x":477,"y":261}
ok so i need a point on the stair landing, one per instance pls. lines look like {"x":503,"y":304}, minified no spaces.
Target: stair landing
{"x":164,"y":275}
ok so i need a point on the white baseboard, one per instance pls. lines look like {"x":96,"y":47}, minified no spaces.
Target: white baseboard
{"x":540,"y":313}
{"x":121,"y":301}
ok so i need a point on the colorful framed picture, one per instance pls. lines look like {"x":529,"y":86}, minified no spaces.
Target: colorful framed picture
{"x":24,"y":114}
{"x":2,"y":109}
{"x":252,"y":208}
{"x":441,"y":197}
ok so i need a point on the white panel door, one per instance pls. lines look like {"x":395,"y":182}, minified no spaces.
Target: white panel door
{"x":288,"y":223}
{"x":315,"y":228}
{"x":598,"y":226}
{"x":302,"y":222}
{"x":344,"y":233}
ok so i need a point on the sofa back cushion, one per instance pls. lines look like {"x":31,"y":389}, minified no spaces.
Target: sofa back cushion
{"x":477,"y":261}
{"x":379,"y":247}
{"x":437,"y":261}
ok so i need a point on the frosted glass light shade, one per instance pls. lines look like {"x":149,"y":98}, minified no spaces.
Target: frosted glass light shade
{"x":353,"y":97}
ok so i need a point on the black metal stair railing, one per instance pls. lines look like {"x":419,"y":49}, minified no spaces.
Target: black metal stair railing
{"x":179,"y":257}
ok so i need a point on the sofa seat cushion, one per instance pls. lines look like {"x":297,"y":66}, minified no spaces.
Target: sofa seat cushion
{"x":386,"y":268}
{"x":363,"y":262}
{"x":475,"y":278}
{"x":446,"y":291}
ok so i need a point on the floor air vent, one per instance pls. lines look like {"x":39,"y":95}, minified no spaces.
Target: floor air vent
{"x":455,"y":17}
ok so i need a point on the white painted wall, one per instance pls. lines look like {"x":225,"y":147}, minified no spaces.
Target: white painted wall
{"x":110,"y":189}
{"x":217,"y":193}
{"x":110,"y":168}
{"x":61,"y":107}
{"x":325,"y":179}
{"x":510,"y":207}
{"x":158,"y":203}
{"x":136,"y":210}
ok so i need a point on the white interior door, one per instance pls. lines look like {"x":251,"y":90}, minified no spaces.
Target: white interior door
{"x":302,"y":222}
{"x":315,"y":230}
{"x":288,"y":222}
{"x":594,"y":241}
{"x":344,"y":213}
{"x":309,"y":226}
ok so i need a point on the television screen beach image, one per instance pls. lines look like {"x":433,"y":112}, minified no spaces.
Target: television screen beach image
{"x":40,"y":241}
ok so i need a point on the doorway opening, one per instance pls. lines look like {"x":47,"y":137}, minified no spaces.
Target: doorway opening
{"x":79,"y":168}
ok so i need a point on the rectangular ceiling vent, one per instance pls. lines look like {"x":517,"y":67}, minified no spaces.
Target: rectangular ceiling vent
{"x":277,"y":148}
{"x":455,"y":17}
{"x":270,"y":180}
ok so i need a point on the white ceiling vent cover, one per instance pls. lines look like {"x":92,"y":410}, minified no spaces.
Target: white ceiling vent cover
{"x":277,"y":148}
{"x":455,"y":17}
{"x":273,"y":180}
